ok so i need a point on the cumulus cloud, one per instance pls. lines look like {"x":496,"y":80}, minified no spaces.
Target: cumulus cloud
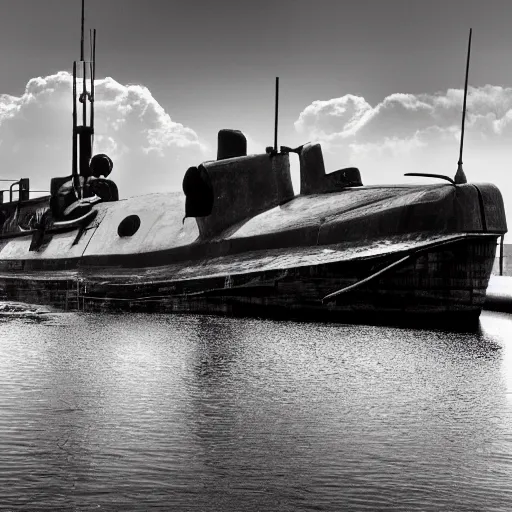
{"x":150,"y":150}
{"x":336,"y":118}
{"x":489,"y":109}
{"x":415,"y":133}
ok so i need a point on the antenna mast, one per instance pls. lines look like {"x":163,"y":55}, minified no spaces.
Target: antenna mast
{"x":82,"y":38}
{"x":93,"y":74}
{"x":276,"y":114}
{"x":75,"y":149}
{"x":460,"y":177}
{"x":83,"y":133}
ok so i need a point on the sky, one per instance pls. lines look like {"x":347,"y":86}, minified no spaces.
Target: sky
{"x":377,"y":82}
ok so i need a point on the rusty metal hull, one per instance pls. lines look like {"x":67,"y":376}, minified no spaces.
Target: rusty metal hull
{"x":378,"y":254}
{"x":440,"y":283}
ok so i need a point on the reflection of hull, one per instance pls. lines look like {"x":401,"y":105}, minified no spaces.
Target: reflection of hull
{"x":435,"y":280}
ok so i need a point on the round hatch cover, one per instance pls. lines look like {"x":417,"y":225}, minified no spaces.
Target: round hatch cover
{"x":129,"y":226}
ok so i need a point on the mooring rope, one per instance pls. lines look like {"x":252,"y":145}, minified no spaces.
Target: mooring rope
{"x":331,"y":296}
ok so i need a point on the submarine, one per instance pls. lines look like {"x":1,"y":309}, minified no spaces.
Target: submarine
{"x":239,"y":241}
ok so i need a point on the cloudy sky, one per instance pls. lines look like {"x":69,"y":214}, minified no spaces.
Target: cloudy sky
{"x":378,"y":82}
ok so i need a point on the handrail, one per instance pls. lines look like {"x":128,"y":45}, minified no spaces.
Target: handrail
{"x":58,"y":227}
{"x":428,"y":175}
{"x":10,"y":190}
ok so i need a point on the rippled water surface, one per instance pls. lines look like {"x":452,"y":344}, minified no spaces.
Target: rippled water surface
{"x":201,"y":413}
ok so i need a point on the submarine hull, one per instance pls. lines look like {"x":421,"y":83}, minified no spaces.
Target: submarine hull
{"x":418,"y":255}
{"x":441,"y":283}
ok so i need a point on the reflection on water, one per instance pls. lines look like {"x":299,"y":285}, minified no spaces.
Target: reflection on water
{"x":206,"y":413}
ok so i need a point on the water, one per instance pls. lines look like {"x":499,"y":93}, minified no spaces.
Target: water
{"x":215,"y":414}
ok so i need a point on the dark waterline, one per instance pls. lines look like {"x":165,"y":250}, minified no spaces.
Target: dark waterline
{"x":139,"y":412}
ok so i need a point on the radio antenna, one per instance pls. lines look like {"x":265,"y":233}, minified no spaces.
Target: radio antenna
{"x":83,"y":133}
{"x":92,"y":68}
{"x":75,"y":152}
{"x":276,"y":114}
{"x":82,"y":33}
{"x":460,"y":177}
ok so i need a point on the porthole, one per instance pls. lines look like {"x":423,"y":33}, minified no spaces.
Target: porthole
{"x":129,"y":226}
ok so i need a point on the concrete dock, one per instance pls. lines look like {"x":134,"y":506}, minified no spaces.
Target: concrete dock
{"x":499,"y":294}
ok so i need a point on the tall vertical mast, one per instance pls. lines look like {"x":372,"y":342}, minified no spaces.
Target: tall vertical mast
{"x":83,"y":96}
{"x":276,"y":113}
{"x":83,"y":132}
{"x":82,"y":32}
{"x":460,"y":177}
{"x":93,"y":74}
{"x":82,"y":59}
{"x":74,"y":165}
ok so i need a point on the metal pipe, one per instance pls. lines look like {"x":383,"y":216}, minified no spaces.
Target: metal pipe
{"x":10,"y":190}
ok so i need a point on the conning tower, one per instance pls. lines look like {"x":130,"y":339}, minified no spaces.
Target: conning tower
{"x":73,"y":196}
{"x":224,"y":192}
